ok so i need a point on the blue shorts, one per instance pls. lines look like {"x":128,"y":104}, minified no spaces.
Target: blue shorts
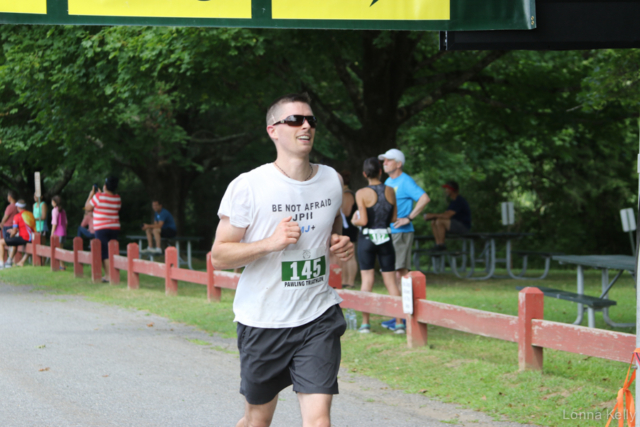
{"x":105,"y":236}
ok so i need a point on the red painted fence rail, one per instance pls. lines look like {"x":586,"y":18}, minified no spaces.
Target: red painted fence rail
{"x":528,"y":329}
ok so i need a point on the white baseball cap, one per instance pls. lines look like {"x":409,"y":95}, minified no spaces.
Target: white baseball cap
{"x":393,"y":154}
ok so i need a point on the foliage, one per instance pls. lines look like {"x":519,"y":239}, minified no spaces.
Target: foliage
{"x":615,"y":78}
{"x":162,"y":102}
{"x":179,"y":112}
{"x":517,"y":135}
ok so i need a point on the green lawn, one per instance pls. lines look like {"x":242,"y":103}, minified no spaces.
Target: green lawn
{"x":476,"y":372}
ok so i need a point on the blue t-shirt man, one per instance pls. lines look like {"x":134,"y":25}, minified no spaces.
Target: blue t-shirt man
{"x":166,"y":218}
{"x":407,"y":192}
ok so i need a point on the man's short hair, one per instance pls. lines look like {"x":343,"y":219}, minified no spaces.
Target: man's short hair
{"x":287,"y":99}
{"x":21,"y":204}
{"x":12,"y":194}
{"x":158,"y":201}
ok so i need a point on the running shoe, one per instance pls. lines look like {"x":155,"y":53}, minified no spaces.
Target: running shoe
{"x":399,"y":329}
{"x":391,"y":324}
{"x":365,"y":329}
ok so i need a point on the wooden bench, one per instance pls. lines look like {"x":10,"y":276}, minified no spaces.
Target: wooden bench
{"x":593,"y":303}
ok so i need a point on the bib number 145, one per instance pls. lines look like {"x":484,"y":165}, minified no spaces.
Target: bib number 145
{"x":303,"y":270}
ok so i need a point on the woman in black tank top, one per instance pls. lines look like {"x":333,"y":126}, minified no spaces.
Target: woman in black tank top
{"x":376,"y":211}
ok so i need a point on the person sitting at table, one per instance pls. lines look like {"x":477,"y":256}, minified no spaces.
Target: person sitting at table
{"x":163,"y":226}
{"x":455,"y":220}
{"x":20,"y":233}
{"x":86,"y":229}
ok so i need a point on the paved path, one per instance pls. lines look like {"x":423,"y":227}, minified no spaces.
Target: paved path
{"x":65,"y":361}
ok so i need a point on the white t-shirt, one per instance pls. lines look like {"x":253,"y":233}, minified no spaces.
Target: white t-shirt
{"x":288,"y":288}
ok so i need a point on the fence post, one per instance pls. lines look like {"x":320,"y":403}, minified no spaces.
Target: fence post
{"x":335,"y":276}
{"x":96,"y":261}
{"x":530,"y":306}
{"x":55,"y":242}
{"x":133,"y":279}
{"x":77,"y":247}
{"x":416,"y":331}
{"x":37,"y":240}
{"x":170,"y":260}
{"x":213,"y":293}
{"x":114,"y":273}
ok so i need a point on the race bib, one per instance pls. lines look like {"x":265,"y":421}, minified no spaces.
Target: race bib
{"x":379,"y":237}
{"x":304,"y":268}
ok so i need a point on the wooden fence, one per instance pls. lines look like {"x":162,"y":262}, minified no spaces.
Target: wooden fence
{"x":528,"y":329}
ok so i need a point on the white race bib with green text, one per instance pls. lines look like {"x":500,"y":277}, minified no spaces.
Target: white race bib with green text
{"x":379,"y":236}
{"x":303,"y":269}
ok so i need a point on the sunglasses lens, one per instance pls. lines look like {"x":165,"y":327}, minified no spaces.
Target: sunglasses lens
{"x":298,"y":120}
{"x":312,"y":121}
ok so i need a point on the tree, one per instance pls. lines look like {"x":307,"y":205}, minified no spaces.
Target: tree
{"x":367,"y":85}
{"x":163,"y":102}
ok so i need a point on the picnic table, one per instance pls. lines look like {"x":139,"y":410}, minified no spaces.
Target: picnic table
{"x":487,"y":256}
{"x":177,"y":240}
{"x":604,"y":263}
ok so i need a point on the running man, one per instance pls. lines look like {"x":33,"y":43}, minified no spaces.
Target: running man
{"x":281,"y":221}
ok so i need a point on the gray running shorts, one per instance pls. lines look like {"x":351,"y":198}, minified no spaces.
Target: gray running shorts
{"x":402,"y":243}
{"x":306,"y":356}
{"x":456,"y":227}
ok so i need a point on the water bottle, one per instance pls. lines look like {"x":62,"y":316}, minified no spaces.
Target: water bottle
{"x":352,"y":321}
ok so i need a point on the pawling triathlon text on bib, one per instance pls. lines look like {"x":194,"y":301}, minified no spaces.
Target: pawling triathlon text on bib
{"x":304,"y":269}
{"x":288,"y":288}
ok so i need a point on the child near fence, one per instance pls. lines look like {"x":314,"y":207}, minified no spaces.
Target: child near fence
{"x":58,"y":222}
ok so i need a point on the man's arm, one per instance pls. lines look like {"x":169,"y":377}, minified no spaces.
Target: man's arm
{"x":4,"y":219}
{"x":420,"y":205}
{"x":156,"y":224}
{"x":227,"y":251}
{"x":88,"y":207}
{"x":444,"y":215}
{"x":341,"y":246}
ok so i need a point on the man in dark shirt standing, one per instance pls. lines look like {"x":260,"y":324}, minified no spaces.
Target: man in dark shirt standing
{"x":456,"y":219}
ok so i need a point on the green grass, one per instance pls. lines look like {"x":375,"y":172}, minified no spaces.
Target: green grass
{"x":476,"y":372}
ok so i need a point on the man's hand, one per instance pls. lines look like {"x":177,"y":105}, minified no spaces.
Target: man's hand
{"x":429,"y":216}
{"x":287,"y":233}
{"x":144,"y":227}
{"x":401,"y":222}
{"x":341,"y":247}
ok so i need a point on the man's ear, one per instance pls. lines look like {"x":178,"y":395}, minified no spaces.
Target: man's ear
{"x":272,"y":131}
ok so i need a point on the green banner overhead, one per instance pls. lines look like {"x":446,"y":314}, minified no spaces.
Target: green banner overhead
{"x":431,"y":15}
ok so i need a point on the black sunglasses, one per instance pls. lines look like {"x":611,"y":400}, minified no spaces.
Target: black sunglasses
{"x":298,"y":120}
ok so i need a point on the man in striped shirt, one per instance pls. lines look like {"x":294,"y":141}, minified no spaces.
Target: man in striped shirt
{"x":105,"y":206}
